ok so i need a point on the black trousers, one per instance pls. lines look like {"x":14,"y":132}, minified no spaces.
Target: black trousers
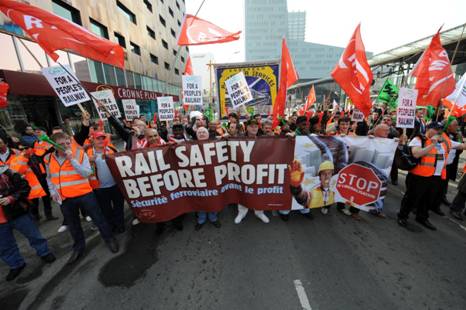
{"x":111,"y":203}
{"x":422,"y":194}
{"x":394,"y":172}
{"x":34,"y":209}
{"x":458,"y":202}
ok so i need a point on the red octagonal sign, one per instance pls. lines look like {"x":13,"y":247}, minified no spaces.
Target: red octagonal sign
{"x":358,"y":184}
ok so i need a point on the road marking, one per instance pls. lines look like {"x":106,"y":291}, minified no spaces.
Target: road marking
{"x":461,"y":226}
{"x":302,"y":295}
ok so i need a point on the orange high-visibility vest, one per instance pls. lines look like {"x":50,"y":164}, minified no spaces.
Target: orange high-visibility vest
{"x":13,"y":154}
{"x":20,"y":165}
{"x":93,"y":180}
{"x":67,"y":180}
{"x":41,"y":147}
{"x":426,"y":167}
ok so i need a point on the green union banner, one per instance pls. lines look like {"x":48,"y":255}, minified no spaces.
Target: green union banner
{"x":388,"y":93}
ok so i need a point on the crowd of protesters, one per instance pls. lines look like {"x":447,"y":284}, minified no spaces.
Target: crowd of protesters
{"x":70,"y":169}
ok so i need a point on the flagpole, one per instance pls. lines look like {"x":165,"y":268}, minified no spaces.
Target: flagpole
{"x":72,"y":76}
{"x":457,"y":45}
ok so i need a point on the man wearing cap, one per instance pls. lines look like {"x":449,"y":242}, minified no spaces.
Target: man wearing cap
{"x":424,"y":182}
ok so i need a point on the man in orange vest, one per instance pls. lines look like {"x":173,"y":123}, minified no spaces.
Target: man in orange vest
{"x":108,"y":195}
{"x":68,"y":170}
{"x":424,"y":182}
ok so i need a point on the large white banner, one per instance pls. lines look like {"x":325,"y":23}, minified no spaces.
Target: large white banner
{"x":352,"y":170}
{"x":108,"y":100}
{"x":192,"y":89}
{"x":66,"y":85}
{"x":238,"y":90}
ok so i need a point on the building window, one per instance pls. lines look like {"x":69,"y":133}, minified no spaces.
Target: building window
{"x":66,"y":11}
{"x":178,"y":22}
{"x":126,"y":12}
{"x":182,"y":59}
{"x":162,"y":21}
{"x":171,"y":11}
{"x":135,"y":48}
{"x":173,"y":33}
{"x":150,"y":32}
{"x":98,"y":29}
{"x":154,"y":59}
{"x":120,"y":39}
{"x":148,"y":5}
{"x":161,"y":1}
{"x":167,"y":66}
{"x":165,"y":44}
{"x":177,"y":72}
{"x":175,"y":52}
{"x":178,"y":5}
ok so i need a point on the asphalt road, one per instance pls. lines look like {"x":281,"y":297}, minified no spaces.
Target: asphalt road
{"x":334,"y":262}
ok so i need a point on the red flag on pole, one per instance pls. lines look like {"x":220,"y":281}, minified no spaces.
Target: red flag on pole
{"x":354,"y":74}
{"x":53,"y":33}
{"x":435,"y":80}
{"x":310,"y":100}
{"x":188,"y":69}
{"x":3,"y":94}
{"x":288,"y":76}
{"x":196,"y":31}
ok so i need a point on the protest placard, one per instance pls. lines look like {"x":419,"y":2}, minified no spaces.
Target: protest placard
{"x":130,"y":108}
{"x":166,"y":108}
{"x":192,"y":89}
{"x":238,"y":90}
{"x":357,"y":116}
{"x":108,"y":100}
{"x":406,"y":110}
{"x":65,"y":85}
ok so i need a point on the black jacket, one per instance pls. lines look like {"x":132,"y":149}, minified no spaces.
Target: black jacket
{"x":13,"y":184}
{"x":122,"y":132}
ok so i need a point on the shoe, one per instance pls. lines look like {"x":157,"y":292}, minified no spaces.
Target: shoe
{"x":356,"y":216}
{"x":402,"y":222}
{"x":346,"y":212}
{"x":49,"y":258}
{"x":263,"y":217}
{"x":378,"y":214}
{"x":113,"y":245}
{"x":309,"y":216}
{"x":438,"y":212}
{"x":284,"y":217}
{"x":198,"y":226}
{"x":14,"y":273}
{"x":394,"y":182}
{"x":51,"y":218}
{"x":241,"y":215}
{"x":457,"y":215}
{"x":135,"y":221}
{"x":217,"y":224}
{"x":74,"y":257}
{"x":324,"y":211}
{"x":446,"y":202}
{"x":88,"y":219}
{"x":426,"y":224}
{"x":62,"y":228}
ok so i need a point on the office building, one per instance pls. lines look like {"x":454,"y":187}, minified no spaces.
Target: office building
{"x":297,"y":25}
{"x":146,"y":29}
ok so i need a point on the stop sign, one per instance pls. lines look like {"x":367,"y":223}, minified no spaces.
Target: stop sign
{"x":359,"y":184}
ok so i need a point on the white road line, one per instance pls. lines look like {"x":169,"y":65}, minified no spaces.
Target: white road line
{"x":461,"y":226}
{"x":302,"y":295}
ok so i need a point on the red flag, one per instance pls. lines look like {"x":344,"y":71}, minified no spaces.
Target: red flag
{"x":288,"y":76}
{"x":196,"y":31}
{"x":188,"y":69}
{"x":3,"y":94}
{"x":354,"y":74}
{"x":435,"y":79}
{"x":310,"y":100}
{"x":55,"y":33}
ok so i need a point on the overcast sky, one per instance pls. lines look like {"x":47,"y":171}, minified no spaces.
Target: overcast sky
{"x":384,"y":24}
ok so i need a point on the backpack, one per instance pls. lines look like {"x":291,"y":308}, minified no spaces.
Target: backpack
{"x":404,"y":157}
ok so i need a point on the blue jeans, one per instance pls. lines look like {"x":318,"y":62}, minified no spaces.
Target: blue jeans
{"x":378,"y":206}
{"x":9,"y":251}
{"x":202,"y":217}
{"x":70,"y":209}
